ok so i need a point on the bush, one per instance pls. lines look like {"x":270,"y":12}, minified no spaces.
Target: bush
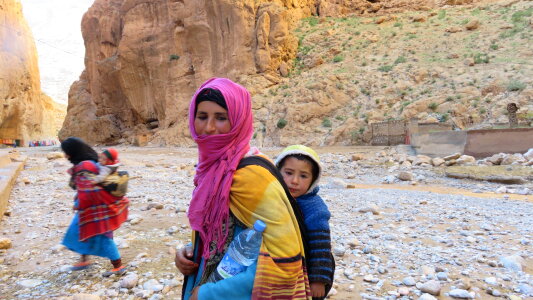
{"x":385,"y":68}
{"x":481,"y":58}
{"x":442,"y":14}
{"x":326,"y":122}
{"x":281,"y":123}
{"x":449,"y":98}
{"x":338,"y":58}
{"x":400,"y":60}
{"x":174,"y":57}
{"x":433,"y":106}
{"x":444,"y":117}
{"x":494,"y":47}
{"x":515,"y":85}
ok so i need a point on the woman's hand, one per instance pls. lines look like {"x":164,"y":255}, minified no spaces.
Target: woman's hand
{"x":318,"y":289}
{"x":194,"y":293}
{"x":183,"y":261}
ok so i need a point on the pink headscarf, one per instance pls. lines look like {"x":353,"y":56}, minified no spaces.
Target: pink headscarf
{"x":218,"y":157}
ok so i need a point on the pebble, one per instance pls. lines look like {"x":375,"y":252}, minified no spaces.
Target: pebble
{"x":462,"y":294}
{"x":339,"y":251}
{"x":409,"y":281}
{"x":431,"y":287}
{"x":427,"y":297}
{"x":129,"y":281}
{"x":5,"y":243}
{"x":153,"y":285}
{"x":30,"y":283}
{"x":512,"y":262}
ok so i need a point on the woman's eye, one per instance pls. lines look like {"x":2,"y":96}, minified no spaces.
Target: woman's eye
{"x":201,"y":117}
{"x":222,"y":118}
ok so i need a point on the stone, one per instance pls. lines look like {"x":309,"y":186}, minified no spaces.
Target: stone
{"x":462,"y":294}
{"x":403,"y":291}
{"x":427,"y":297}
{"x":358,"y":157}
{"x":466,"y":160}
{"x":339,"y":250}
{"x":496,"y":159}
{"x":473,"y":24}
{"x":512,"y":262}
{"x":529,"y":154}
{"x":54,"y":155}
{"x":153,"y":285}
{"x":154,"y":205}
{"x":454,"y":156}
{"x":513,"y":158}
{"x":405,"y":176}
{"x":409,"y":281}
{"x":129,"y":281}
{"x":437,"y":161}
{"x":85,"y":297}
{"x":29,"y":283}
{"x":374,"y":209}
{"x":5,"y":243}
{"x":422,"y":159}
{"x":431,"y":287}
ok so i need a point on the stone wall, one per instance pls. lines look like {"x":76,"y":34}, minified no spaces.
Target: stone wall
{"x":484,"y":143}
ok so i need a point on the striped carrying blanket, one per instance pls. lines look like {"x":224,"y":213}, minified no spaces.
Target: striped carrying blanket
{"x":281,"y":272}
{"x":99,"y":211}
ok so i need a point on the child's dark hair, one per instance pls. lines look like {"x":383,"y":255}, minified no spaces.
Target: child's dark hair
{"x":302,"y":157}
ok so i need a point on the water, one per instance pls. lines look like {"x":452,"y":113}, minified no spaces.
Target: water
{"x":242,"y":252}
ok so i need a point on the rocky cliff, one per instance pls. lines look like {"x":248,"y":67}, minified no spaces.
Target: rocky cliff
{"x":26,"y":113}
{"x":144,"y":59}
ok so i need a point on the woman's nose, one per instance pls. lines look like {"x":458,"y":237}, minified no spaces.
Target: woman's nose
{"x":210,"y":128}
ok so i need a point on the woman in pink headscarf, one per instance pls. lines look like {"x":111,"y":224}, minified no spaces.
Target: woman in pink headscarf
{"x":231,"y":193}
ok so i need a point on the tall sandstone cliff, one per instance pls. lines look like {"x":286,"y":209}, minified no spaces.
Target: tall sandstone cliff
{"x":26,"y":113}
{"x":145,"y":58}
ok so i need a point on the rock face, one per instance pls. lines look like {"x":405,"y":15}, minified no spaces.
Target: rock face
{"x":144,"y":59}
{"x":26,"y":113}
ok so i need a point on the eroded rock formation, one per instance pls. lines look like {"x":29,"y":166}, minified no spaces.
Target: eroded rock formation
{"x":145,"y":58}
{"x":26,"y":113}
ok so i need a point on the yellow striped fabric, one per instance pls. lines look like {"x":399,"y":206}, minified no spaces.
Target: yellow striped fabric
{"x":257,"y":195}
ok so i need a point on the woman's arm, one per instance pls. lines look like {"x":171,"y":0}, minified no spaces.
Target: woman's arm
{"x":237,"y":287}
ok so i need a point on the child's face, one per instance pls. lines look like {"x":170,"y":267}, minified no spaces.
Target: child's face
{"x":298,"y":175}
{"x":102,"y":159}
{"x":211,"y":119}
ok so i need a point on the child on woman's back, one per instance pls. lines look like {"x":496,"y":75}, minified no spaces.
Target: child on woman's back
{"x":301,"y":170}
{"x":108,"y":163}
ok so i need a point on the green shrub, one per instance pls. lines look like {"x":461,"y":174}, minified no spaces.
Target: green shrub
{"x":494,"y":47}
{"x":397,"y":24}
{"x":313,"y":21}
{"x":361,"y":130}
{"x":482,"y":111}
{"x":442,"y":14}
{"x":340,"y":118}
{"x":338,"y":58}
{"x":515,"y":85}
{"x":433,"y":106}
{"x":281,"y":123}
{"x":481,"y":58}
{"x":400,"y":60}
{"x":174,"y":57}
{"x":449,"y":98}
{"x":443,"y":117}
{"x":385,"y":68}
{"x":326,"y":122}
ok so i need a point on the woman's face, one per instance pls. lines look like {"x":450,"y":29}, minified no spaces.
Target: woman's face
{"x":211,"y":119}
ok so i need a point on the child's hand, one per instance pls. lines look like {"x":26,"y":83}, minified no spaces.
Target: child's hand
{"x":318,"y":289}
